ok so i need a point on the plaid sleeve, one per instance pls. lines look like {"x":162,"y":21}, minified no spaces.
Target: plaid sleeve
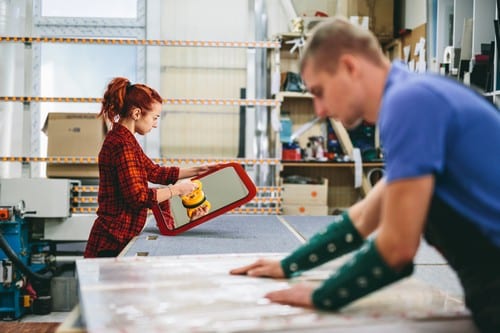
{"x":158,"y":174}
{"x":132,"y":178}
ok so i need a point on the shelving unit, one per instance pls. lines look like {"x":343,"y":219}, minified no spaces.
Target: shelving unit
{"x":268,"y":197}
{"x":465,"y":25}
{"x":341,"y":191}
{"x":300,"y":109}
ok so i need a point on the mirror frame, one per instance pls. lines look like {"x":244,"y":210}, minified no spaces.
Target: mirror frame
{"x":247,"y":182}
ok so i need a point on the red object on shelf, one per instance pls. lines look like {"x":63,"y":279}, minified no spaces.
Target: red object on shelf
{"x":320,"y":14}
{"x":291,"y":155}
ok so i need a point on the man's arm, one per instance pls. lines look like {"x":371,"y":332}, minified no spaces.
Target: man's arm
{"x":365,"y":216}
{"x":404,"y":209}
{"x":404,"y":213}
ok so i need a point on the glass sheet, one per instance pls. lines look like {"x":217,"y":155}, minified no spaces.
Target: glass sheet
{"x":196,"y":294}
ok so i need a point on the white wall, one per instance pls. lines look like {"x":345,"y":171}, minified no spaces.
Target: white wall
{"x":278,"y":20}
{"x":204,"y":20}
{"x":213,"y":73}
{"x":415,"y":13}
{"x":309,"y":8}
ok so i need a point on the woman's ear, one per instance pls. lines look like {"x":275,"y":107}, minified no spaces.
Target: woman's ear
{"x":136,"y":113}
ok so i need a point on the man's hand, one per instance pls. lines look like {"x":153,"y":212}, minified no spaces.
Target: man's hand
{"x":261,"y":268}
{"x":298,"y":295}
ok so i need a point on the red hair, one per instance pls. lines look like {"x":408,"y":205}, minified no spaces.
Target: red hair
{"x":121,"y":97}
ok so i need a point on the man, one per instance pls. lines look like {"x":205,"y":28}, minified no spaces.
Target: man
{"x":441,"y":146}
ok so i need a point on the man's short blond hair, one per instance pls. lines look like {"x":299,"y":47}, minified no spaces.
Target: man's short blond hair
{"x":336,"y":37}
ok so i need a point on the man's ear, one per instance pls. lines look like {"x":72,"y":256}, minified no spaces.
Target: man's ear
{"x":349,"y":63}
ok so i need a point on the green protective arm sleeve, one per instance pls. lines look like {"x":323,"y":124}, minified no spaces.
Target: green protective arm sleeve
{"x":364,"y":273}
{"x":339,"y":238}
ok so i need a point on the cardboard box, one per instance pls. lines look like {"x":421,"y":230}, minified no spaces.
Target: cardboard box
{"x":380,"y":14}
{"x":306,"y":194}
{"x":75,"y":135}
{"x":312,"y":210}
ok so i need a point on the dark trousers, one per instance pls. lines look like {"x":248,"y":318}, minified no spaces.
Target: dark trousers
{"x":475,"y":259}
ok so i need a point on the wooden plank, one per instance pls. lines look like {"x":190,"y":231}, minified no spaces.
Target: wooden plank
{"x":21,"y":327}
{"x":73,"y":322}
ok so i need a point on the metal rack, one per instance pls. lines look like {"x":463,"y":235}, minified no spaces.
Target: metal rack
{"x":267,"y":201}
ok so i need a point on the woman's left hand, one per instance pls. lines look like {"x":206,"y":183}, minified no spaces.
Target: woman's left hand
{"x":196,"y":170}
{"x":298,"y":295}
{"x":205,"y":168}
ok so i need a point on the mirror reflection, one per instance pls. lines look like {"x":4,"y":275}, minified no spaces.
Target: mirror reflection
{"x":220,"y":191}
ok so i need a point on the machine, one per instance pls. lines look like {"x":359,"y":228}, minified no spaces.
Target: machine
{"x":39,"y":246}
{"x":25,"y":266}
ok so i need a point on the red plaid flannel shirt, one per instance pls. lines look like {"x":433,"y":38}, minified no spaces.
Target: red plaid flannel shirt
{"x":124,"y":195}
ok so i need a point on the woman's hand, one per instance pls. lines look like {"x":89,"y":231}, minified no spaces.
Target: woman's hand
{"x":201,"y":169}
{"x":261,"y":268}
{"x":197,"y":170}
{"x":199,"y":212}
{"x":297,"y":295}
{"x":183,"y":188}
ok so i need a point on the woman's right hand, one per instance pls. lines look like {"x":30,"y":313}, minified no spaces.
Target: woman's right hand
{"x":183,"y":188}
{"x":261,"y":268}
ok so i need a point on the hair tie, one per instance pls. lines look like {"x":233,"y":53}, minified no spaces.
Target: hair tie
{"x":129,"y":85}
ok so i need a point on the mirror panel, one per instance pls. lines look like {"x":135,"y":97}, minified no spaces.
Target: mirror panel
{"x":226,"y":187}
{"x":220,"y":188}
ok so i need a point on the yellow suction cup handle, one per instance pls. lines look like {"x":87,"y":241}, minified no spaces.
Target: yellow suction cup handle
{"x":195,"y":199}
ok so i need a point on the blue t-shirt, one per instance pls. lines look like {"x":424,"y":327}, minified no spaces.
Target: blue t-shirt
{"x":430,"y":124}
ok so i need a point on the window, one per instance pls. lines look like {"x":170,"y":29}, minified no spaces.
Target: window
{"x":89,"y":8}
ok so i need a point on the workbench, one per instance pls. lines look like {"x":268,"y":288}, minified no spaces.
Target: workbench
{"x":181,"y":284}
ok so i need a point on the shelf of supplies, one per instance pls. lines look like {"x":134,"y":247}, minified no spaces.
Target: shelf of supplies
{"x":286,"y":38}
{"x":330,"y":164}
{"x":291,"y":94}
{"x":292,"y":35}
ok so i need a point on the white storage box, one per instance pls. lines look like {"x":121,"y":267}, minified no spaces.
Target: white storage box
{"x":306,"y":194}
{"x":313,"y":210}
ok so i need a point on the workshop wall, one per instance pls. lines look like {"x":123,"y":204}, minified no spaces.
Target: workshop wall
{"x":200,"y":72}
{"x":414,"y":13}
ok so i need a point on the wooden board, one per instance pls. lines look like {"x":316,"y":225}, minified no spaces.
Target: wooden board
{"x":20,"y":327}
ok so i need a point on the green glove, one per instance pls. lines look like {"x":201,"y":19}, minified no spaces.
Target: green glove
{"x":364,"y":273}
{"x":337,"y":239}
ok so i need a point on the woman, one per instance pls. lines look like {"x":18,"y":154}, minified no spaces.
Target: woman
{"x":124,"y":170}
